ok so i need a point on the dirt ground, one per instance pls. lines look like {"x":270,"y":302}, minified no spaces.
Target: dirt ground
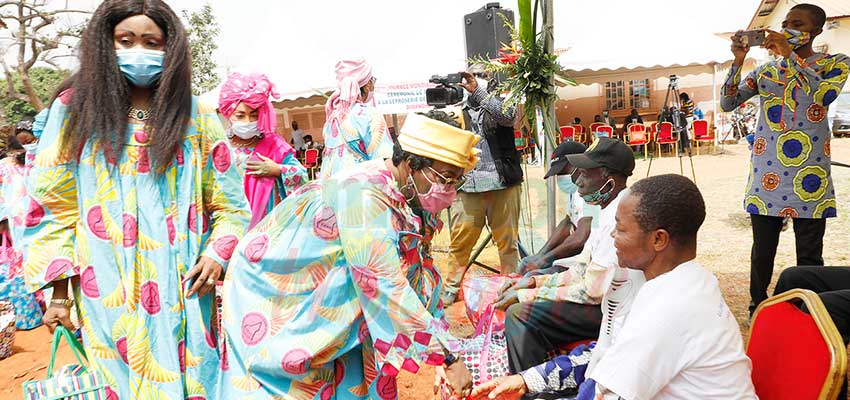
{"x":724,"y":246}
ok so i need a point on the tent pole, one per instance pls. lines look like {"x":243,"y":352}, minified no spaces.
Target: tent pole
{"x":395,"y":123}
{"x":714,"y":102}
{"x":548,"y":26}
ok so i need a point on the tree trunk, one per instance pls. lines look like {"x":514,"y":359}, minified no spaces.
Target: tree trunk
{"x":36,"y":103}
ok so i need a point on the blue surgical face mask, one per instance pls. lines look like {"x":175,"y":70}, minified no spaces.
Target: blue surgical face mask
{"x":565,"y":183}
{"x":30,"y":148}
{"x":142,"y":67}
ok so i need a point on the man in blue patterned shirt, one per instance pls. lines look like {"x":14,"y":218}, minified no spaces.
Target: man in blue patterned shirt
{"x":790,"y":174}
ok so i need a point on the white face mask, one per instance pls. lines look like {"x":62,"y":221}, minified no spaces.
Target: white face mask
{"x":30,"y":148}
{"x":245,"y":130}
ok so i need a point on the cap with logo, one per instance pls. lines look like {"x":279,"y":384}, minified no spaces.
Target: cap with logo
{"x":559,"y":156}
{"x":606,"y":152}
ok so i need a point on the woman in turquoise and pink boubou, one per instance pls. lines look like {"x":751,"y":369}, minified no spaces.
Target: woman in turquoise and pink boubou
{"x":271,"y":171}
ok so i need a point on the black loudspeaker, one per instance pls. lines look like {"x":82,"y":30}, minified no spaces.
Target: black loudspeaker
{"x":486,"y":31}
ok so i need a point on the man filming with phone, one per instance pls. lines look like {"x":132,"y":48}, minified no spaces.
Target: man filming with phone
{"x":790,"y":169}
{"x":491,"y":192}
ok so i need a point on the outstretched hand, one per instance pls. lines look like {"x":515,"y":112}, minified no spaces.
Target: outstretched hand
{"x":505,"y":388}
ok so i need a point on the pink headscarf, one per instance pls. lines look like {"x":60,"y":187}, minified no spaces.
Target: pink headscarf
{"x":351,"y":75}
{"x":254,"y":90}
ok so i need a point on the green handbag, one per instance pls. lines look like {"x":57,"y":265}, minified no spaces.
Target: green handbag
{"x":72,"y":382}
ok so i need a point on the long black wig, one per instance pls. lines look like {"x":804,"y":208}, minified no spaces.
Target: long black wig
{"x":101,"y":96}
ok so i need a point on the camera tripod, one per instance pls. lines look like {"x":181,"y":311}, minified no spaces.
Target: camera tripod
{"x":675,"y":113}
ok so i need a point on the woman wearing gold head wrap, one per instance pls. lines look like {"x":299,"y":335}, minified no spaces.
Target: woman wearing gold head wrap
{"x":335,"y":292}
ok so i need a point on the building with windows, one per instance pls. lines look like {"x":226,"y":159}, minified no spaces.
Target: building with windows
{"x":638,"y":78}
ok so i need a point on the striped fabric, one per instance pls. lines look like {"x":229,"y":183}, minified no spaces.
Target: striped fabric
{"x":71,"y":382}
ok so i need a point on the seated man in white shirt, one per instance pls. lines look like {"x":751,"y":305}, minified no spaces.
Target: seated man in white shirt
{"x":573,"y":231}
{"x":545,"y":312}
{"x":677,"y":339}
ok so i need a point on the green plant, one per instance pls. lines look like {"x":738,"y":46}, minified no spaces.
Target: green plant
{"x":529,"y":69}
{"x":203,"y":31}
{"x":44,"y":82}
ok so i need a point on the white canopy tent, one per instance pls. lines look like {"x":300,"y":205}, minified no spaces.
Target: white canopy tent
{"x":417,"y":40}
{"x":297,"y":43}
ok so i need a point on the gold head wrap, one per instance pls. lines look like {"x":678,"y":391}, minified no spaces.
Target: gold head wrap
{"x":439,"y":141}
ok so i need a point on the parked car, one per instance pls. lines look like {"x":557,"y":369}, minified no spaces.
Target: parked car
{"x":839,"y":115}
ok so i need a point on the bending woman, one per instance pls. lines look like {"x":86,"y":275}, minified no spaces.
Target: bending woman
{"x":134,"y":195}
{"x":335,"y":291}
{"x":354,"y":132}
{"x":270,"y":169}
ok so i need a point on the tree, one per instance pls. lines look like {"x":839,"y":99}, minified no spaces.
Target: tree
{"x":203,"y":30}
{"x":35,"y":37}
{"x":44,"y":82}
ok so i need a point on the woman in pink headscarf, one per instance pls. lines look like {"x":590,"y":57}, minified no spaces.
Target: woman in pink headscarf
{"x":354,"y":131}
{"x":269,"y":165}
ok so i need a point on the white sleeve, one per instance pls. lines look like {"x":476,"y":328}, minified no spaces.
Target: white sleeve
{"x":648,"y":352}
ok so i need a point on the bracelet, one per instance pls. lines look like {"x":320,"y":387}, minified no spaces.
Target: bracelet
{"x":449,"y":360}
{"x":67,"y":303}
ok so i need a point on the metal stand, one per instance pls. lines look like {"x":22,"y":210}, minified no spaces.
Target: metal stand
{"x":676,"y":116}
{"x":473,"y":259}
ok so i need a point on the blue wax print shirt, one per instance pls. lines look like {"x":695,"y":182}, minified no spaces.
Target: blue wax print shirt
{"x":790,"y":164}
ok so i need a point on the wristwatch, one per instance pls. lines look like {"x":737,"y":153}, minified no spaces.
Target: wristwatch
{"x":67,"y":303}
{"x":449,"y":360}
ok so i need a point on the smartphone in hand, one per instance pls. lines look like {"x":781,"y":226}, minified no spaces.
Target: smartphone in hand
{"x":752,"y":38}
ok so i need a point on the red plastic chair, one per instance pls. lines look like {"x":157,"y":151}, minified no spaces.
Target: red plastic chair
{"x":519,"y":141}
{"x":595,"y":126}
{"x":638,"y":136}
{"x":796,"y":355}
{"x":567,"y":132}
{"x":579,"y":128}
{"x":579,"y":135}
{"x":567,"y":348}
{"x":311,"y":161}
{"x":700,"y":134}
{"x":665,"y":136}
{"x":604,"y":130}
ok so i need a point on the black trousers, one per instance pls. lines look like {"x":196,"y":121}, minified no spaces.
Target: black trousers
{"x":832,"y":284}
{"x":808,"y":235}
{"x":534,"y":330}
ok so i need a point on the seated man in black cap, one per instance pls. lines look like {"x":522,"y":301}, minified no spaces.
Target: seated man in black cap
{"x":547,"y":311}
{"x":570,"y":235}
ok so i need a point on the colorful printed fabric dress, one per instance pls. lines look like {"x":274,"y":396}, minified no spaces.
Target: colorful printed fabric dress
{"x":130,"y":236}
{"x":362,"y":136}
{"x":333,"y":294}
{"x":790,"y":174}
{"x":292,"y":176}
{"x":12,"y":285}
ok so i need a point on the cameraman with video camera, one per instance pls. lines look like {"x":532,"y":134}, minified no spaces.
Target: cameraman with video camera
{"x":491,"y":192}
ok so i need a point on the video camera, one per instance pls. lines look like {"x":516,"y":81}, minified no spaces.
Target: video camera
{"x":447,"y":92}
{"x":674,"y":81}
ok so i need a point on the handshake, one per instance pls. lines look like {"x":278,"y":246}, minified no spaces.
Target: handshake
{"x":529,"y":267}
